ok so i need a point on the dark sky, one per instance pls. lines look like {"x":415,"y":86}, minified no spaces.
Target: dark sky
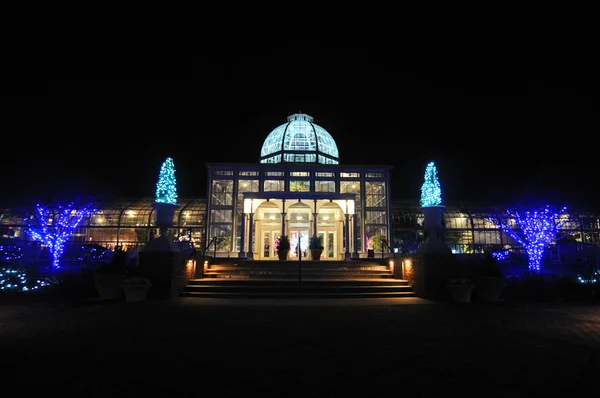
{"x":493,"y":137}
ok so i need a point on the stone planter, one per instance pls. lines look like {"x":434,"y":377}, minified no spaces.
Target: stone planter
{"x":136,"y":293}
{"x":460,"y":293}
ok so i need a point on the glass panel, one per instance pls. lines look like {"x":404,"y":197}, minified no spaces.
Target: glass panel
{"x":375,"y":194}
{"x":375,"y":217}
{"x":222,"y":193}
{"x":273,"y":142}
{"x":223,"y":234}
{"x":274,"y":186}
{"x":351,"y":187}
{"x":217,"y":216}
{"x":135,"y":217}
{"x":330,"y":245}
{"x":295,"y":236}
{"x":299,"y":186}
{"x":326,"y":143}
{"x":324,"y":186}
{"x":266,"y":244}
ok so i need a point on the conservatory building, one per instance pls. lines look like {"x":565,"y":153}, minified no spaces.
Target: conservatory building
{"x":298,"y":189}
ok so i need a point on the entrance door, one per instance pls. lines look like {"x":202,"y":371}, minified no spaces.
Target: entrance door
{"x":295,"y":236}
{"x":267,"y":244}
{"x":329,"y":245}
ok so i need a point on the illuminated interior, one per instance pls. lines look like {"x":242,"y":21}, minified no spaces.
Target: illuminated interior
{"x":299,"y":141}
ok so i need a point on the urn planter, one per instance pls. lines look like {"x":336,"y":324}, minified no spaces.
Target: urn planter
{"x":283,"y":254}
{"x":315,"y":254}
{"x":136,"y":292}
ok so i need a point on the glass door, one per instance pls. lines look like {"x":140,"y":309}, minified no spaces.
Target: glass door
{"x":329,"y":245}
{"x":298,"y":235}
{"x":267,"y":244}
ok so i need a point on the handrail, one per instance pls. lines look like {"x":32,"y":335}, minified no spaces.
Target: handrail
{"x":385,"y":243}
{"x":214,"y":239}
{"x":397,"y":271}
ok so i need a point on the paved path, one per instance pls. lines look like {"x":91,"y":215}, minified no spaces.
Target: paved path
{"x":300,"y":348}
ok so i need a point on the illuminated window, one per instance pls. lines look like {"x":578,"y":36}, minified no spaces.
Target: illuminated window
{"x":324,"y":186}
{"x":375,"y":195}
{"x":274,"y":186}
{"x":299,"y":186}
{"x":222,"y":193}
{"x":324,"y":174}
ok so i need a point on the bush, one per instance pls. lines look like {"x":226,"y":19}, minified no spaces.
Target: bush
{"x":315,"y":242}
{"x":487,"y":267}
{"x":117,"y":265}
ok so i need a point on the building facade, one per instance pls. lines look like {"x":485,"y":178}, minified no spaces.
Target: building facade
{"x":299,"y":188}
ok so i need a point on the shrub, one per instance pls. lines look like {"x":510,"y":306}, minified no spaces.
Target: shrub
{"x":487,"y":267}
{"x":117,"y":265}
{"x":315,"y":242}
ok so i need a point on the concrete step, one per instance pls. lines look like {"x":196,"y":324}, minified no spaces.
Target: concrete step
{"x":317,"y":288}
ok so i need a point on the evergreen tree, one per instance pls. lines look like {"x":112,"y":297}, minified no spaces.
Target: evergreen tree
{"x":166,"y":188}
{"x":431,"y":193}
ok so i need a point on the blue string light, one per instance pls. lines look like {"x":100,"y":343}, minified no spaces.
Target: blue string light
{"x":166,"y":187}
{"x":431,"y":193}
{"x":53,"y":227}
{"x":533,"y":229}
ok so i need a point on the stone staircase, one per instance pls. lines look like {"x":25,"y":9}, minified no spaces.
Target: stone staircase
{"x":360,"y":278}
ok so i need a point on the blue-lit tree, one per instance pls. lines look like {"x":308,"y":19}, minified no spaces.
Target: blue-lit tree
{"x":431,"y":193}
{"x":54,"y":225}
{"x":534,"y":229}
{"x":166,"y":188}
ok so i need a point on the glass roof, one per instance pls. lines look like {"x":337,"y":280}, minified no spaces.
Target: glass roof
{"x":299,"y":141}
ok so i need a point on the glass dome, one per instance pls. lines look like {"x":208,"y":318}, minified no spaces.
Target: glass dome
{"x":299,"y":141}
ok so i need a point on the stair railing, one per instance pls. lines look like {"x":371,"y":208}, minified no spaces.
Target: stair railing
{"x":384,"y":243}
{"x":213,"y":242}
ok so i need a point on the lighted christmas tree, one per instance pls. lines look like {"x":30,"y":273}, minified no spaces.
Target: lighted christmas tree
{"x":54,"y":226}
{"x":166,"y":188}
{"x":431,"y":193}
{"x":534,"y":229}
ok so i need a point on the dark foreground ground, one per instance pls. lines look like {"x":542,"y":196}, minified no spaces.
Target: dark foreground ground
{"x":299,"y":348}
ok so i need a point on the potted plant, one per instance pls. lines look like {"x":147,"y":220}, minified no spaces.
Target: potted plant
{"x":282,"y":246}
{"x":136,"y":288}
{"x":315,"y":244}
{"x":488,"y":279}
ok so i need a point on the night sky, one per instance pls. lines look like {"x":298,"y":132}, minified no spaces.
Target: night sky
{"x":492,"y":138}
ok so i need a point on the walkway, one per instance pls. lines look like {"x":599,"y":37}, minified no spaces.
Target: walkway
{"x":300,"y":348}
